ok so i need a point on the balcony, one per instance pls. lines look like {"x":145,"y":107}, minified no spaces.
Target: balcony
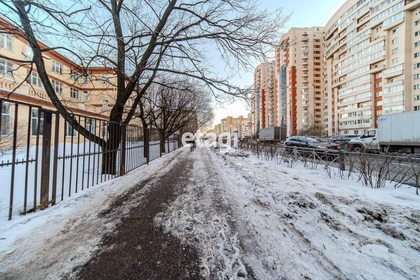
{"x":392,"y":72}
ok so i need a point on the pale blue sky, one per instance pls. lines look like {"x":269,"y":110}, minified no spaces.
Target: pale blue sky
{"x":306,"y":13}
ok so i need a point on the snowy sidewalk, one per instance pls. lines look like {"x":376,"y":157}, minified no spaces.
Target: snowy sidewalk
{"x":219,"y":216}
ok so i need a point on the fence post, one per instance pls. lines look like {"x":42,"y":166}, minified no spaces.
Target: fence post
{"x":341,"y":158}
{"x":146,"y":144}
{"x":55,"y":160}
{"x":12,"y":185}
{"x":46,"y":160}
{"x":123,"y":149}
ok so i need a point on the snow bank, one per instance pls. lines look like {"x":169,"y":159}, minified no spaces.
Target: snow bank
{"x":254,"y":218}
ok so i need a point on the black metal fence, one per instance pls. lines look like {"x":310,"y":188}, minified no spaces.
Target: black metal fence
{"x":43,"y":159}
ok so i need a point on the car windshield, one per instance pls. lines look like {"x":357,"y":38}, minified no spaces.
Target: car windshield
{"x":312,"y":140}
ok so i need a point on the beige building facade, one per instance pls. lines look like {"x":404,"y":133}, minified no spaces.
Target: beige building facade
{"x":371,"y":63}
{"x":88,"y":92}
{"x":232,"y":125}
{"x":81,"y":89}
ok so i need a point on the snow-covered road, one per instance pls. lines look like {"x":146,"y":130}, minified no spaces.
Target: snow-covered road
{"x":247,"y":219}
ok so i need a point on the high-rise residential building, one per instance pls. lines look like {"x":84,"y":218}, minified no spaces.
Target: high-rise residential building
{"x":299,"y":79}
{"x":265,"y":104}
{"x":371,"y":63}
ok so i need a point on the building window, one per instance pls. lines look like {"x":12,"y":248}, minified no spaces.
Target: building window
{"x":90,"y":125}
{"x":57,"y":67}
{"x":104,"y":131}
{"x":394,"y":51}
{"x":6,"y":68}
{"x":29,"y":53}
{"x":74,"y":76}
{"x":33,"y":79}
{"x":394,"y":41}
{"x":416,"y":65}
{"x":35,"y":117}
{"x":379,"y":93}
{"x":105,"y":79}
{"x":379,"y":75}
{"x":395,"y":60}
{"x":416,"y":44}
{"x":105,"y":105}
{"x":85,"y":96}
{"x":416,"y":97}
{"x":85,"y":79}
{"x":417,"y":33}
{"x":74,"y":93}
{"x":70,"y":132}
{"x":416,"y":108}
{"x":379,"y":103}
{"x":416,"y":86}
{"x":58,"y":87}
{"x":6,"y":120}
{"x":395,"y":30}
{"x":6,"y":42}
{"x":417,"y":54}
{"x":379,"y":84}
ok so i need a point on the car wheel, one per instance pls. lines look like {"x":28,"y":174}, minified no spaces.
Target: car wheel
{"x":357,"y":149}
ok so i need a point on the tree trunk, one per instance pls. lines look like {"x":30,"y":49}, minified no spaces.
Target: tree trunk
{"x":110,"y":156}
{"x":162,"y":143}
{"x":146,"y":143}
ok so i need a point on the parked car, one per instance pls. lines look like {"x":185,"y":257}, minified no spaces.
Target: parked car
{"x":344,"y":140}
{"x":333,"y":143}
{"x":305,"y":142}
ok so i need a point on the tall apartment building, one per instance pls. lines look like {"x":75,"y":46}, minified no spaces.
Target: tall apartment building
{"x":371,"y":63}
{"x":265,"y":102}
{"x":299,"y":79}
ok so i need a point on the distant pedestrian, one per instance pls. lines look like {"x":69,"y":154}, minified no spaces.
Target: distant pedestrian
{"x":192,"y":145}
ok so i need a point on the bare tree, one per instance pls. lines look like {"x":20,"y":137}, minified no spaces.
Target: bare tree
{"x":140,"y":39}
{"x":314,"y":129}
{"x":177,"y":106}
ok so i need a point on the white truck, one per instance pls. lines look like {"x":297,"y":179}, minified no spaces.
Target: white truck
{"x":395,"y":133}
